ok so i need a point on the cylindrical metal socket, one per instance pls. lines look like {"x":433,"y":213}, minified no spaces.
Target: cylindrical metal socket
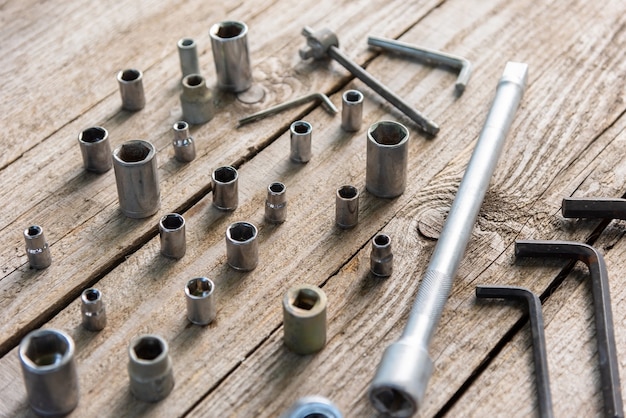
{"x":135,"y":167}
{"x":351,"y":110}
{"x":229,"y":41}
{"x":200,"y":304}
{"x":95,"y":148}
{"x":313,"y":407}
{"x":37,"y":248}
{"x":225,"y":188}
{"x":92,"y":309}
{"x":47,"y":359}
{"x":276,"y":203}
{"x":387,"y":159}
{"x":150,"y":368}
{"x":184,"y":146}
{"x":188,"y":54}
{"x":172,"y":235}
{"x":304,"y":319}
{"x":381,"y":257}
{"x":242,"y":247}
{"x":196,"y":100}
{"x":131,"y":89}
{"x":347,"y":207}
{"x":301,"y":141}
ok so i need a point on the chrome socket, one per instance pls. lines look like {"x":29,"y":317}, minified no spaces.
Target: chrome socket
{"x":37,"y":248}
{"x":150,"y":368}
{"x":300,"y":141}
{"x":196,"y":100}
{"x":304,"y":319}
{"x":229,"y":42}
{"x":225,"y":188}
{"x":131,"y":89}
{"x":313,"y":406}
{"x":135,"y":167}
{"x":49,"y":368}
{"x":381,"y":257}
{"x":242,"y":247}
{"x":184,"y":146}
{"x":347,"y":207}
{"x":200,"y":302}
{"x":96,"y":150}
{"x":188,"y":54}
{"x":351,"y":110}
{"x":92,"y":309}
{"x":276,"y":203}
{"x":387,"y":159}
{"x":172,"y":235}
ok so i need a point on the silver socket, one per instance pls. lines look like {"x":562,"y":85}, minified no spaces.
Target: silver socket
{"x":131,"y":89}
{"x":200,"y":302}
{"x":304,"y":319}
{"x":313,"y":407}
{"x":387,"y":159}
{"x":37,"y":248}
{"x":301,"y":141}
{"x":196,"y":100}
{"x":225,"y":188}
{"x":351,"y":110}
{"x":242,"y":247}
{"x":347,"y":207}
{"x":172,"y":235}
{"x":276,"y":203}
{"x":188,"y":54}
{"x":136,"y":176}
{"x":381,"y":257}
{"x":229,"y":41}
{"x":150,"y":368}
{"x":96,"y":150}
{"x":184,"y":145}
{"x":49,"y":368}
{"x":93,"y":310}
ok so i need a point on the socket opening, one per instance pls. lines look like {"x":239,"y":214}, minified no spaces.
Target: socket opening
{"x":133,"y":152}
{"x":392,"y":402}
{"x":47,"y":349}
{"x":91,"y":295}
{"x":33,"y":230}
{"x":200,"y":287}
{"x":388,"y":133}
{"x":181,"y":125}
{"x":306,"y":299}
{"x":93,"y":135}
{"x":228,"y":30}
{"x":353,"y":96}
{"x":172,"y":221}
{"x":382,"y":240}
{"x":130,"y":75}
{"x":242,"y":231}
{"x":186,"y":42}
{"x":148,"y":348}
{"x":348,"y":192}
{"x":277,"y":187}
{"x":301,"y":127}
{"x":193,"y":80}
{"x":317,"y":415}
{"x":225,"y":174}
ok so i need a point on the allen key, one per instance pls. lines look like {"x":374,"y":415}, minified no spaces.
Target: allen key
{"x":605,"y":208}
{"x":607,"y":355}
{"x":288,"y":105}
{"x":539,"y":339}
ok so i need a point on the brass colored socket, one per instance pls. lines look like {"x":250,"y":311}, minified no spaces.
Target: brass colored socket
{"x":150,"y":368}
{"x":304,"y":319}
{"x":196,"y":100}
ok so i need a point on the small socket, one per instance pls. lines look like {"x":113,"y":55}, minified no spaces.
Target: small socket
{"x":347,"y":207}
{"x":95,"y":149}
{"x":242,"y":248}
{"x":301,"y":141}
{"x":351,"y":110}
{"x":92,"y":309}
{"x":150,"y":368}
{"x":225,"y":188}
{"x":131,"y":89}
{"x":172,"y":235}
{"x":276,"y":203}
{"x":200,"y":302}
{"x":184,"y":145}
{"x":381,"y":257}
{"x":37,"y":248}
{"x":196,"y":100}
{"x":188,"y":54}
{"x":304,"y":319}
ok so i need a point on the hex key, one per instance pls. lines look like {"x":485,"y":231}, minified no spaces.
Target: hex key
{"x":609,"y":373}
{"x":288,"y":105}
{"x":606,"y":208}
{"x":539,"y":339}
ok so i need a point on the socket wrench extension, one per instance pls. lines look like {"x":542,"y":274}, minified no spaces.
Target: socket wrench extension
{"x":398,"y":387}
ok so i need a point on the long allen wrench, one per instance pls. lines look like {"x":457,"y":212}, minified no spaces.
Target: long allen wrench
{"x":605,"y":208}
{"x":398,"y":387}
{"x":324,"y":43}
{"x":539,"y":339}
{"x":609,"y":373}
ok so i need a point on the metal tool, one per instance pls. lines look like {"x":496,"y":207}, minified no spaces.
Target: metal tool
{"x":242,"y":246}
{"x":431,"y":56}
{"x":539,"y":338}
{"x":324,"y":43}
{"x":320,"y":97}
{"x":131,"y":89}
{"x":196,"y":100}
{"x":49,"y":368}
{"x":173,"y":236}
{"x":201,"y":308}
{"x":351,"y":110}
{"x":229,"y":42}
{"x":607,"y":355}
{"x":347,"y":207}
{"x":381,"y":257}
{"x":313,"y":407}
{"x":150,"y":368}
{"x":387,"y":159}
{"x":225,"y":183}
{"x":37,"y":249}
{"x":93,"y":311}
{"x":276,"y":203}
{"x":184,"y":146}
{"x":403,"y":373}
{"x":300,"y":140}
{"x":605,"y":208}
{"x":188,"y":54}
{"x":304,"y":319}
{"x":95,"y":149}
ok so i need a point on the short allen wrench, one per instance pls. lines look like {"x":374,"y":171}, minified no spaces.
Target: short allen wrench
{"x":609,"y":373}
{"x":324,"y":43}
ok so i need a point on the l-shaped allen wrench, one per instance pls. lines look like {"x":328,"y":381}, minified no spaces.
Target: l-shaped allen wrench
{"x":609,"y":373}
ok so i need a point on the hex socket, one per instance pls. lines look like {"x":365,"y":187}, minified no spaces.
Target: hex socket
{"x":188,"y":54}
{"x":131,"y":89}
{"x":150,"y":368}
{"x":225,"y":188}
{"x":242,"y":247}
{"x":351,"y":110}
{"x":381,"y":257}
{"x":196,"y":100}
{"x":300,"y":141}
{"x":387,"y":159}
{"x":304,"y":319}
{"x":172,"y":235}
{"x":184,"y":145}
{"x":93,"y":310}
{"x":135,"y":167}
{"x":229,"y":42}
{"x":313,"y":407}
{"x":95,"y":149}
{"x":276,"y":203}
{"x":49,"y":368}
{"x":347,"y":207}
{"x":37,"y":249}
{"x":200,"y":302}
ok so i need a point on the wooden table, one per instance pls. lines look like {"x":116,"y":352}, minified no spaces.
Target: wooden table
{"x":58,"y":68}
